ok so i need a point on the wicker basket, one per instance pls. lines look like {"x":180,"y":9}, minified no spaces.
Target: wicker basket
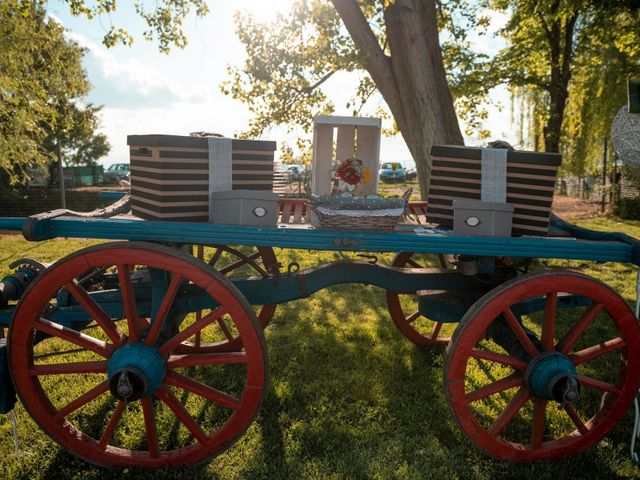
{"x":348,"y":213}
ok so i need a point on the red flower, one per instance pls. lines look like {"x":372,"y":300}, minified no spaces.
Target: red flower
{"x":350,"y":171}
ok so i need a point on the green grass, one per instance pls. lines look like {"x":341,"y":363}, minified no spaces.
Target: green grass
{"x":348,"y":397}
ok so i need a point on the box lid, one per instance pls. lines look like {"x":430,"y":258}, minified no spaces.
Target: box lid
{"x":485,"y":206}
{"x":244,"y":194}
{"x":185,"y":141}
{"x":475,"y":153}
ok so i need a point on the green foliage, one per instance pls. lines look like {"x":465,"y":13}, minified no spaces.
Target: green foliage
{"x":569,"y":59}
{"x":287,"y":62}
{"x":43,"y":84}
{"x":609,"y":54}
{"x":164,"y":20}
{"x":627,"y":208}
{"x":290,"y":59}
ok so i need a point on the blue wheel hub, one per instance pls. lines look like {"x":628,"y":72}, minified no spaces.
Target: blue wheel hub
{"x":135,"y":370}
{"x":552,"y":376}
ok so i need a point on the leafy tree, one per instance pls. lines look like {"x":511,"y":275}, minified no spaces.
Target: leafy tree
{"x":42,"y":87}
{"x":395,"y":45}
{"x":568,"y":61}
{"x":164,"y":20}
{"x":395,"y":42}
{"x":73,"y":141}
{"x":610,"y":53}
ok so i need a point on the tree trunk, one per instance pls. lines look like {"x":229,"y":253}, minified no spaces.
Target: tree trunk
{"x":412,"y":79}
{"x":560,"y":37}
{"x":558,"y":95}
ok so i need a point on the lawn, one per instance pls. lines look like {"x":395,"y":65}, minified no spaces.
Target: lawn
{"x":348,"y":397}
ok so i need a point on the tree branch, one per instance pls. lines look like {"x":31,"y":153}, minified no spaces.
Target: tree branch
{"x":568,"y":49}
{"x":323,"y":79}
{"x":361,"y":33}
{"x":375,"y":61}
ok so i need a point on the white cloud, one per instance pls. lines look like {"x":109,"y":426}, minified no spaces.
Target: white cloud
{"x":124,"y":83}
{"x":220,"y":115}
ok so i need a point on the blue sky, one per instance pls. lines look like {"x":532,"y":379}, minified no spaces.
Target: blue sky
{"x":144,"y":91}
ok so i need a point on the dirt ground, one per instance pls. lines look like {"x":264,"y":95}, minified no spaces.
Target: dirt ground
{"x":570,"y":207}
{"x":564,"y":207}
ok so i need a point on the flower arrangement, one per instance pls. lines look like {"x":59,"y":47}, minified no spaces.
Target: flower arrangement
{"x":349,"y":175}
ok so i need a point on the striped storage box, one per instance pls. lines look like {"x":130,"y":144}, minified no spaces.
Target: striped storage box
{"x":172,"y":176}
{"x":531,"y":178}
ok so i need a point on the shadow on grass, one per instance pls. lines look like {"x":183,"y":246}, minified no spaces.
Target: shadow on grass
{"x":350,"y":397}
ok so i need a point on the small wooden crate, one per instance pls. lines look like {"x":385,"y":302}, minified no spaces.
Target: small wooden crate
{"x":356,"y":137}
{"x":531,"y":178}
{"x":171,"y":176}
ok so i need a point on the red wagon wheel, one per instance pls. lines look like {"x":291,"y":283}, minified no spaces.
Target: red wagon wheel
{"x":403,"y":308}
{"x":543,"y":385}
{"x":232,"y":263}
{"x":118,"y":393}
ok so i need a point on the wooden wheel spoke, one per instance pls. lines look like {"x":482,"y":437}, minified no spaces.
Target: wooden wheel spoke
{"x":537,"y":427}
{"x":436,"y":330}
{"x":201,"y":359}
{"x":59,"y":353}
{"x":520,"y":333}
{"x":414,"y":264}
{"x":499,"y":358}
{"x":163,"y":311}
{"x":77,"y":338}
{"x":413,"y":317}
{"x":215,"y":257}
{"x":225,"y":329}
{"x":111,"y":426}
{"x":83,"y":399}
{"x":129,"y":302}
{"x":577,"y":329}
{"x":514,"y":380}
{"x":150,"y":426}
{"x":191,"y":330}
{"x":69,"y":368}
{"x":548,"y":325}
{"x":244,"y":259}
{"x":95,"y":311}
{"x":510,"y":411}
{"x":596,"y":351}
{"x":600,"y":385}
{"x":575,"y":418}
{"x":210,"y":393}
{"x":182,"y":414}
{"x":198,"y":338}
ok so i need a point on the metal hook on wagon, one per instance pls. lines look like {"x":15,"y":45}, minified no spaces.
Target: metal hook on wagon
{"x":293,"y":267}
{"x":372,"y":259}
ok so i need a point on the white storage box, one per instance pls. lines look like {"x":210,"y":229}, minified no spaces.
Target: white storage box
{"x":485,"y":219}
{"x":244,"y":207}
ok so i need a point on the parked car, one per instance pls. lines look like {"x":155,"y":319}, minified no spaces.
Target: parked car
{"x":296,"y":172}
{"x":411,"y":174}
{"x":116,"y":172}
{"x":391,"y":172}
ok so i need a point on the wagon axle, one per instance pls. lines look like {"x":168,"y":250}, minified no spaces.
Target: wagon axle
{"x":135,"y":370}
{"x":552,"y":376}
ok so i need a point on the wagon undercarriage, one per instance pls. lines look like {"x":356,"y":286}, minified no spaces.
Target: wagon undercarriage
{"x":172,"y":337}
